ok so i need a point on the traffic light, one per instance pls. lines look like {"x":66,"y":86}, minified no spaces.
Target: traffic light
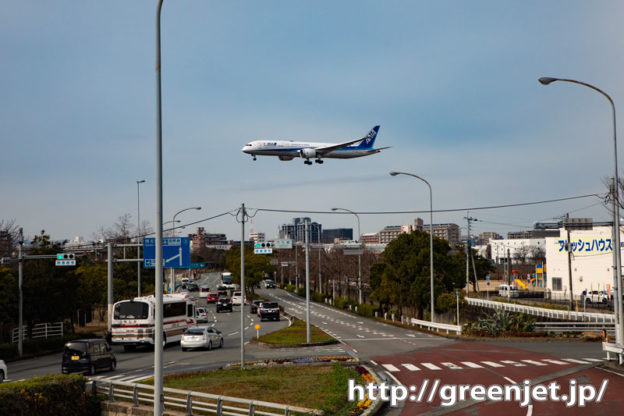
{"x":264,"y":244}
{"x":65,"y":256}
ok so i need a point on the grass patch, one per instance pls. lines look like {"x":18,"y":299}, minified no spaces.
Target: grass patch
{"x":316,"y":387}
{"x":296,"y":334}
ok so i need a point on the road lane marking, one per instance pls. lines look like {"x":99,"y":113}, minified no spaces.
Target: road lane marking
{"x":411,"y":367}
{"x":451,"y":366}
{"x":572,"y":360}
{"x":534,"y":362}
{"x":471,"y":365}
{"x":510,"y":380}
{"x":430,"y":366}
{"x":391,"y":368}
{"x":555,"y":361}
{"x":492,"y":364}
{"x":515,"y":364}
{"x":593,"y":360}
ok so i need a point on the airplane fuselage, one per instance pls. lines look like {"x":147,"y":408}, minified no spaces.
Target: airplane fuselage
{"x":289,"y":149}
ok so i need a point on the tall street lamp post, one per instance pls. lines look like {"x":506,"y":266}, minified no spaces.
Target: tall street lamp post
{"x":430,"y":235}
{"x":180,"y":212}
{"x":359,"y":283}
{"x":139,"y":238}
{"x":619,"y":333}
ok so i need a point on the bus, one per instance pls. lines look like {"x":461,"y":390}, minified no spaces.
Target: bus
{"x":226,"y":278}
{"x":133,"y":320}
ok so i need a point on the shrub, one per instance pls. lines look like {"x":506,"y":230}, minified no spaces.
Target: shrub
{"x":49,"y":395}
{"x":301,"y":292}
{"x":366,"y":310}
{"x":290,"y":288}
{"x":502,"y":322}
{"x":342,"y":303}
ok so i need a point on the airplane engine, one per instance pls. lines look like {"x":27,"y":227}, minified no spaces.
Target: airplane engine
{"x":307,"y":153}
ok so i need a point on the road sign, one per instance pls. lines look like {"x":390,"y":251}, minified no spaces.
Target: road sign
{"x":282,"y":243}
{"x":200,"y":265}
{"x":176,"y":252}
{"x":66,"y":262}
{"x":487,"y":278}
{"x":263,"y":250}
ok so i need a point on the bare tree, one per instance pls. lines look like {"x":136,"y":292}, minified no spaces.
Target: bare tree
{"x":9,"y":231}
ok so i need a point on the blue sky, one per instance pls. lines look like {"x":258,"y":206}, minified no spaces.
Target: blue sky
{"x":453,"y":85}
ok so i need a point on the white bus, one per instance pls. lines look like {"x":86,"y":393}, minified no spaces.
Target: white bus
{"x":133,"y":320}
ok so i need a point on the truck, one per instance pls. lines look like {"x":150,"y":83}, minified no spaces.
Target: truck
{"x":226,"y":278}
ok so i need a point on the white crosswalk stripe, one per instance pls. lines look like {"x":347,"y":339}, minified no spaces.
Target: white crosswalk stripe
{"x":391,"y":368}
{"x":593,"y":360}
{"x":411,"y":367}
{"x":534,"y":362}
{"x":515,"y":364}
{"x":555,"y":361}
{"x":471,"y":365}
{"x":492,"y":364}
{"x":451,"y":366}
{"x":430,"y":366}
{"x":573,"y":360}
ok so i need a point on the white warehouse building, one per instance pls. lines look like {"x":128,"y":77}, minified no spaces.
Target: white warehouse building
{"x":592,"y":262}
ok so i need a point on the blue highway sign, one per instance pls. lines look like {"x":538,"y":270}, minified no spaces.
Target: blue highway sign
{"x":176,"y":252}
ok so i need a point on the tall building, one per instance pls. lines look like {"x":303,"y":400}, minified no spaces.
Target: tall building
{"x":447,"y":231}
{"x":370,"y":238}
{"x":257,"y":237}
{"x":486,"y":236}
{"x":203,"y":239}
{"x":296,"y":230}
{"x":330,"y":235}
{"x":390,"y":232}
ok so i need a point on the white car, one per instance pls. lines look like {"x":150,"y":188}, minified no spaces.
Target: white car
{"x":201,"y":337}
{"x":237,"y":297}
{"x":201,"y":314}
{"x":3,"y":371}
{"x":596,"y":296}
{"x":508,"y":290}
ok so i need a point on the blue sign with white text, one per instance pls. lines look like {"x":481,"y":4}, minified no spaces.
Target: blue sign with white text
{"x":176,"y":252}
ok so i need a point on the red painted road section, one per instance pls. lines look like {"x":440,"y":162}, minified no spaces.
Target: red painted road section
{"x":511,"y":369}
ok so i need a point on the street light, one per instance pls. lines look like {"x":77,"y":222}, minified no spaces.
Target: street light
{"x":359,"y":255}
{"x":179,"y":212}
{"x":138,"y":237}
{"x":430,"y":234}
{"x":619,"y":333}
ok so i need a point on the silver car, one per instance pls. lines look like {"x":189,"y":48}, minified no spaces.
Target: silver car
{"x":201,"y":337}
{"x":3,"y":371}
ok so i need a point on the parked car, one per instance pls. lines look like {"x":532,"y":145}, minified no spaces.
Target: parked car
{"x":212,"y":298}
{"x":4,"y":374}
{"x":269,"y":310}
{"x":224,"y":304}
{"x":201,"y":337}
{"x":269,"y":284}
{"x":202,"y":314}
{"x":596,"y":296}
{"x":87,"y":356}
{"x":254,"y":306}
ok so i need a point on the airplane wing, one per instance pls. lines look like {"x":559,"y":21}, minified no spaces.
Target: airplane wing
{"x":327,"y":149}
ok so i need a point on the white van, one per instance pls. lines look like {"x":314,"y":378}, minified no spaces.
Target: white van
{"x":508,"y":291}
{"x":203,"y":291}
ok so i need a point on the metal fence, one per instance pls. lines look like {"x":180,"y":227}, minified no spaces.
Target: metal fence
{"x":46,"y":330}
{"x":434,"y":326}
{"x":195,"y":403}
{"x":543,"y":312}
{"x":575,"y":326}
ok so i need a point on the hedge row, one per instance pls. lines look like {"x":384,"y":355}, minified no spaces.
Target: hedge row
{"x":50,"y":395}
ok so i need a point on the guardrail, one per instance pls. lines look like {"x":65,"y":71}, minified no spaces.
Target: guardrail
{"x":543,"y":312}
{"x":192,"y":401}
{"x":575,"y":326}
{"x":436,"y":326}
{"x":46,"y":330}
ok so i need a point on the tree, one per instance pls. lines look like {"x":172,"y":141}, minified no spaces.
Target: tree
{"x":257,"y":266}
{"x":9,"y":232}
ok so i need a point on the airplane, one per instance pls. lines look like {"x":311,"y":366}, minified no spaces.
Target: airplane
{"x":289,"y":149}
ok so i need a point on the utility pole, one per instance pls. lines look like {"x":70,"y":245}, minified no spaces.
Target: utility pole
{"x":468,"y":219}
{"x":20,"y":345}
{"x":569,"y":249}
{"x":508,"y":274}
{"x":242,"y":276}
{"x":307,"y":283}
{"x":109,"y":262}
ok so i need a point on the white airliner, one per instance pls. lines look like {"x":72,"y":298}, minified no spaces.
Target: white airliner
{"x":290,"y":149}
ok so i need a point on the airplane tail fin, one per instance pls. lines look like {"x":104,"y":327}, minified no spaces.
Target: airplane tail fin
{"x":369,"y":140}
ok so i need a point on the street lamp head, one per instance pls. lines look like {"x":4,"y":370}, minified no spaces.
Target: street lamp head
{"x":547,"y":80}
{"x":197,"y":208}
{"x":394,"y":173}
{"x":141,"y":181}
{"x":335,"y":209}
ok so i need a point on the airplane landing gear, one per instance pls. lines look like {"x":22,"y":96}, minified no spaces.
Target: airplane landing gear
{"x":307,"y":162}
{"x":319,"y":161}
{"x":253,"y":158}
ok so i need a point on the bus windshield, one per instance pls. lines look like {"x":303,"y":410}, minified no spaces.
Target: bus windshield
{"x":131,"y":310}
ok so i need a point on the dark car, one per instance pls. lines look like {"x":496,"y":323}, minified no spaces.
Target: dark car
{"x":254,"y":306}
{"x":269,"y":310}
{"x":224,"y":304}
{"x":87,"y":356}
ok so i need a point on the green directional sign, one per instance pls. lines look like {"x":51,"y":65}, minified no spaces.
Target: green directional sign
{"x":201,"y":265}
